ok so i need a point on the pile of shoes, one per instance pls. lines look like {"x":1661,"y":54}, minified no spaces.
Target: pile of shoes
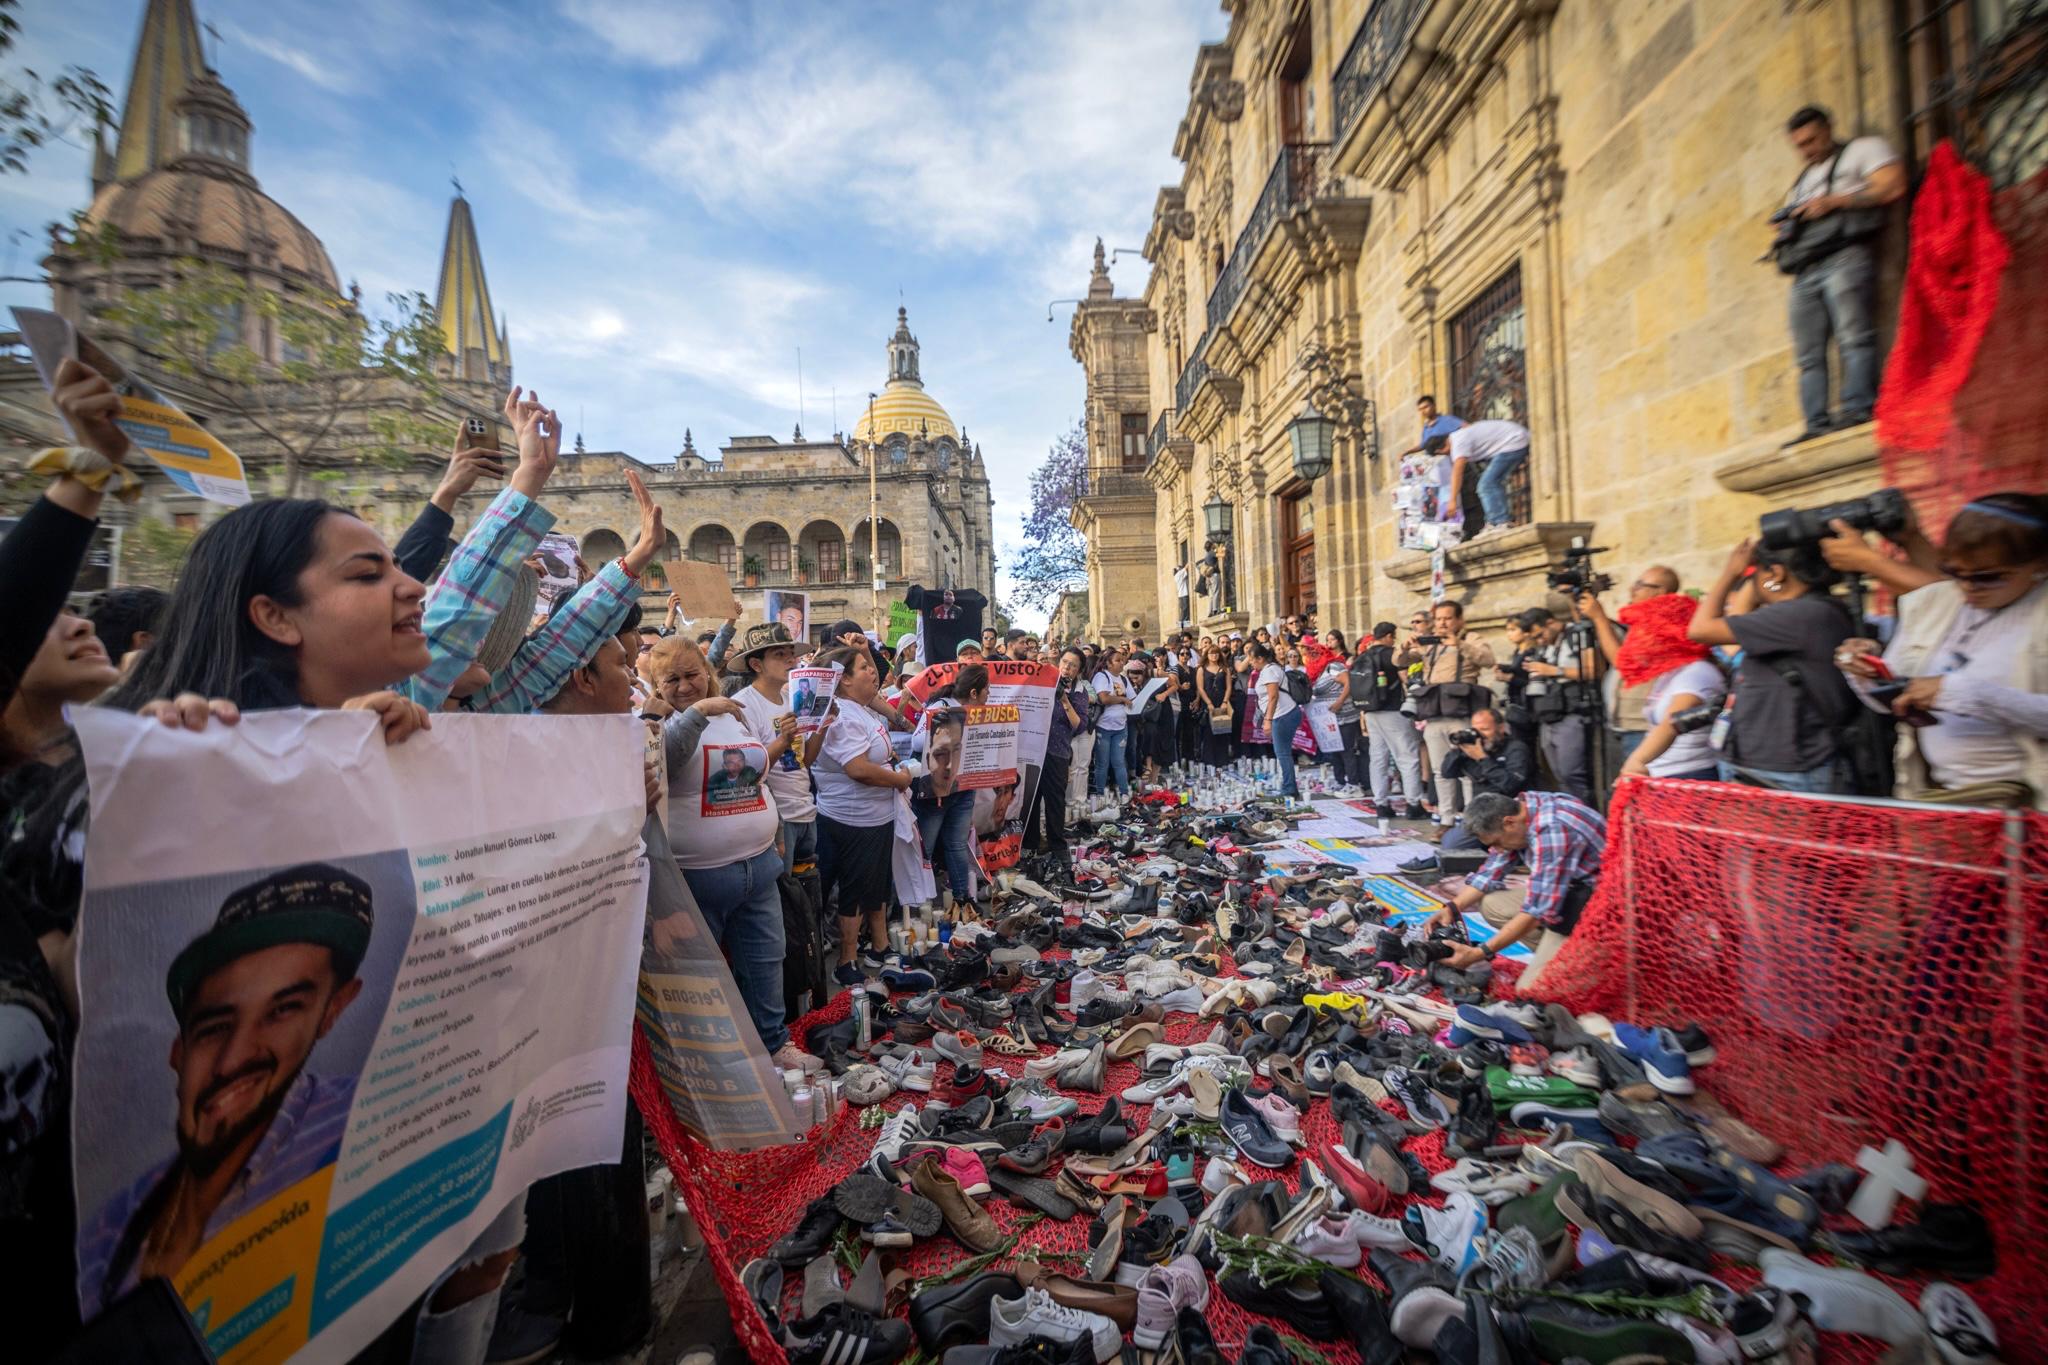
{"x":1249,"y":1087}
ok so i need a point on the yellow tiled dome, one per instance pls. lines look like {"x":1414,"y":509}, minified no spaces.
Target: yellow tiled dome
{"x":906,"y":408}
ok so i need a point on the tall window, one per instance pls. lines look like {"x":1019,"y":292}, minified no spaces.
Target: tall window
{"x":1972,"y":71}
{"x":1133,"y":432}
{"x":831,"y":560}
{"x":1489,"y":369}
{"x":778,"y":556}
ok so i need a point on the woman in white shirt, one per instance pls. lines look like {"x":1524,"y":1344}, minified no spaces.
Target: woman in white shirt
{"x":858,"y":778}
{"x":722,"y":823}
{"x":1277,"y":711}
{"x":1682,"y":675}
{"x":1111,"y":729}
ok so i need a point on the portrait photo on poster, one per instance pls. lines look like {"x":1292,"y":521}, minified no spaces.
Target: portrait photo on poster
{"x":247,"y":1007}
{"x":790,"y":610}
{"x":732,"y":779}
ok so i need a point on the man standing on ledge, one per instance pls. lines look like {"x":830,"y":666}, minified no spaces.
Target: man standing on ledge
{"x":1562,"y":840}
{"x":1828,"y":246}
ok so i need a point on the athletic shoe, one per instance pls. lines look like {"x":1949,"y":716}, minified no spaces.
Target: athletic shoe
{"x":1045,"y":1068}
{"x":965,"y":1167}
{"x":958,"y":1048}
{"x":849,"y":974}
{"x":1962,"y":1333}
{"x":1450,"y":1235}
{"x":1031,"y":1099}
{"x":887,"y":1231}
{"x":841,"y":1332}
{"x":910,"y":1073}
{"x":1661,"y":1055}
{"x":1474,"y":1022}
{"x":1699,"y":1049}
{"x":790,"y":1057}
{"x":1415,"y":1093}
{"x":1576,"y":1066}
{"x":1162,"y":1293}
{"x":1328,"y":1239}
{"x":898,"y":1128}
{"x":908,"y":979}
{"x":1011,"y":1321}
{"x":965,"y":1083}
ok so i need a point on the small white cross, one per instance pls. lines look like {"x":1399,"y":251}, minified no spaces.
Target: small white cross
{"x":1889,"y":1177}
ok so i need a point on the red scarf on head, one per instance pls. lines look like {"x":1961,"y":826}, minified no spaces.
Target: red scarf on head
{"x":1656,"y":641}
{"x":1315,"y":658}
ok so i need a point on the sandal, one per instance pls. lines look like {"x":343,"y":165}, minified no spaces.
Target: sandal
{"x":1148,"y":1180}
{"x":1009,"y":1046}
{"x":1770,"y":1191}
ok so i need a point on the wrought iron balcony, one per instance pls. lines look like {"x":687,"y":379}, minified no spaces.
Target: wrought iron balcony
{"x":1382,"y":36}
{"x":1105,"y":483}
{"x":1161,"y":434}
{"x":1294,"y":180}
{"x":1191,"y":375}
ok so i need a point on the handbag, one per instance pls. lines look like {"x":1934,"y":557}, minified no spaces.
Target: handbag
{"x":1220,"y":723}
{"x":1453,"y":700}
{"x":1803,"y":242}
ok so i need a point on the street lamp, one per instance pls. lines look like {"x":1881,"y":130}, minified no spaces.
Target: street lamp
{"x":1311,"y":435}
{"x":1216,"y":515}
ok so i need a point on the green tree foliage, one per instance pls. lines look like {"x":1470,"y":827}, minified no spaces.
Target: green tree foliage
{"x":36,"y":109}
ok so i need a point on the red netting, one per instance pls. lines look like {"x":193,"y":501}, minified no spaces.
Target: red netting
{"x":1867,"y":971}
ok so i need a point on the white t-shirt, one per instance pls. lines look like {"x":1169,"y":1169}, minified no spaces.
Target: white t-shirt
{"x":1478,"y":442}
{"x":1688,"y":753}
{"x":857,"y":733}
{"x":787,"y":779}
{"x":1860,"y":157}
{"x":719,"y":810}
{"x":1284,"y":700}
{"x":1115,"y":715}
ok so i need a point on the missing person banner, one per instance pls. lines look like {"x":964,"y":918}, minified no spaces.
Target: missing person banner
{"x":339,"y":1012}
{"x":1029,"y":688}
{"x":1252,"y":732}
{"x":1322,"y":727}
{"x":988,"y":754}
{"x":810,"y":696}
{"x":793,"y":611}
{"x":184,"y":450}
{"x":558,"y":577}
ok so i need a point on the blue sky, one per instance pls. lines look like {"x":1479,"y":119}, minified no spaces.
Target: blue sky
{"x":673,"y":197}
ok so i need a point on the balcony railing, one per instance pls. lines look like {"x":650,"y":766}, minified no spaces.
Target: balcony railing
{"x":1161,"y":434}
{"x":1103,"y":483}
{"x":1382,"y":37}
{"x":1293,"y":181}
{"x":1191,"y":375}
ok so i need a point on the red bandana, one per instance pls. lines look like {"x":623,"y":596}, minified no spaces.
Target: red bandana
{"x":1656,"y":641}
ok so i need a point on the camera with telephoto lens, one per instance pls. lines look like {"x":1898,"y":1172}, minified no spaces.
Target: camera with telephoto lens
{"x":1462,"y":737}
{"x":1884,"y":512}
{"x":1696,"y":717}
{"x":1577,"y":578}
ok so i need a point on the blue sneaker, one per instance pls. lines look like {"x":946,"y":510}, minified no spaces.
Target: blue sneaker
{"x":849,"y":974}
{"x":908,"y":979}
{"x":1474,"y":1023}
{"x":1661,"y":1054}
{"x":1538,"y":1115}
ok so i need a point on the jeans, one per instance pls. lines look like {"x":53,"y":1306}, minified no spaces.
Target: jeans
{"x":1821,"y":779}
{"x":1394,"y":743}
{"x":1283,"y":749}
{"x":800,"y":847}
{"x":1626,"y":743}
{"x":1458,"y":839}
{"x":1110,"y":770}
{"x":1049,"y":804}
{"x":1836,"y":295}
{"x":1493,"y":484}
{"x":742,"y":906}
{"x":1566,"y":750}
{"x":460,"y":1335}
{"x":943,"y":825}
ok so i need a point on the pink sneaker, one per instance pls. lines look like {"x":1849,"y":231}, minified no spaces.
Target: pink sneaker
{"x":1282,"y":1117}
{"x":965,"y":1167}
{"x":1162,"y":1293}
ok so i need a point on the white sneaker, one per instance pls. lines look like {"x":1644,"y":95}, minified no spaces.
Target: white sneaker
{"x":1328,"y":1239}
{"x":1221,"y":1173}
{"x":1370,"y":1230}
{"x":1151,"y":1090}
{"x":1012,"y":1321}
{"x":1085,"y":986}
{"x":1161,"y":1057}
{"x":1962,"y":1333}
{"x":1045,"y":1068}
{"x":1450,"y":1235}
{"x":1186,"y":1000}
{"x":897,"y":1129}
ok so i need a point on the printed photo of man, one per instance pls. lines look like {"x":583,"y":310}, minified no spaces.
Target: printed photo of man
{"x":252,"y":997}
{"x":733,"y":782}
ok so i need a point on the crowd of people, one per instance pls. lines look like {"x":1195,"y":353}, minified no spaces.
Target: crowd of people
{"x":1505,"y":746}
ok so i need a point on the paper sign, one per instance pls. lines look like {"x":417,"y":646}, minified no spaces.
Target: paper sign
{"x":792,"y":610}
{"x":1028,"y":688}
{"x":558,"y":578}
{"x":703,"y":591}
{"x":1146,"y":693}
{"x":1322,"y":725}
{"x":1252,"y":732}
{"x":902,"y":621}
{"x":810,"y":696}
{"x":184,"y":450}
{"x":470,"y":965}
{"x":1401,"y":896}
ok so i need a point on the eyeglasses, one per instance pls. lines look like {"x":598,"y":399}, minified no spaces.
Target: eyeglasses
{"x":1982,"y":578}
{"x":1640,"y":586}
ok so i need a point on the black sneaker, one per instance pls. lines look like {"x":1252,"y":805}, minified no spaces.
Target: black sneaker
{"x":1151,"y":1243}
{"x":523,"y":1338}
{"x":887,"y":1231}
{"x":841,"y":1332}
{"x":1427,"y":863}
{"x":1194,"y":1342}
{"x":1950,"y":1240}
{"x":1474,"y":1127}
{"x":811,"y":1236}
{"x":849,"y":974}
{"x":957,"y":1314}
{"x":1298,"y":1304}
{"x":1264,"y":1346}
{"x":1363,"y":1315}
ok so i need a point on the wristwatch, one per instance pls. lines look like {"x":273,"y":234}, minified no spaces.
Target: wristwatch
{"x":1488,"y":951}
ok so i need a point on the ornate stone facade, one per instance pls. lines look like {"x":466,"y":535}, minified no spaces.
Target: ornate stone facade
{"x":1550,"y":209}
{"x":1113,"y":506}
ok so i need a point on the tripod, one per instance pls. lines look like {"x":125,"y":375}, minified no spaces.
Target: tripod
{"x":1602,"y":765}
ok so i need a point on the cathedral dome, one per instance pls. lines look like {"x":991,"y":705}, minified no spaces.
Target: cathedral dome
{"x":225,"y":218}
{"x":903,"y":405}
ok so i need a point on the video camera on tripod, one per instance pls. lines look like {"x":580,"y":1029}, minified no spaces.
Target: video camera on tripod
{"x":1884,"y":512}
{"x":1577,"y":577}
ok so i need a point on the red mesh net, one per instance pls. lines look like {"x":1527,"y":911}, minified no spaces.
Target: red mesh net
{"x":1867,"y":972}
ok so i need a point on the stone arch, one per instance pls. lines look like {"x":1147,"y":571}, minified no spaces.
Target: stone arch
{"x":713,"y":543}
{"x":771,"y":543}
{"x":822,"y":545}
{"x":891,"y":546}
{"x":655,"y":579}
{"x":601,"y":546}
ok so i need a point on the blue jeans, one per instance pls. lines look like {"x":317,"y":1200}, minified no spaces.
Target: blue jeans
{"x":460,"y":1335}
{"x":1821,"y":779}
{"x":1110,"y":769}
{"x":742,"y":906}
{"x":800,"y":847}
{"x":1837,"y":296}
{"x":1283,"y":749}
{"x":943,"y":826}
{"x":1493,"y":484}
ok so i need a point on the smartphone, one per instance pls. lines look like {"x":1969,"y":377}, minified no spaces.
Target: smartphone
{"x":1885,"y":692}
{"x":476,"y":434}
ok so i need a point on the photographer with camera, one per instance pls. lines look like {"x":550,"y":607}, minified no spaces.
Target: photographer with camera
{"x":1625,"y":704}
{"x":1790,"y":700}
{"x":1826,"y":240}
{"x":1967,"y":668}
{"x":1562,"y":697}
{"x":1447,"y":694}
{"x":1562,"y":841}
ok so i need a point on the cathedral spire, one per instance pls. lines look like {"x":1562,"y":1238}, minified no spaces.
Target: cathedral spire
{"x":168,"y":57}
{"x":903,"y":352}
{"x":469,"y":325}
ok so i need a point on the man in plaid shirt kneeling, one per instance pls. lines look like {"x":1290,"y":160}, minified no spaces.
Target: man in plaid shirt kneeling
{"x":1561,"y":839}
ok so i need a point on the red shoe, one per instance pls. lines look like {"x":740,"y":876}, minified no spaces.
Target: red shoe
{"x":1063,"y":993}
{"x":961,"y":1083}
{"x":1361,"y":1189}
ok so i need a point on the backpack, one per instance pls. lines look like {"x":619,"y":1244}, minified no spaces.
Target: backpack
{"x":1386,"y":691}
{"x":804,"y":983}
{"x":1298,"y":686}
{"x":1863,"y":741}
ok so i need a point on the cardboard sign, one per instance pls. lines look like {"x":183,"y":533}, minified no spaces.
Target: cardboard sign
{"x":184,"y":450}
{"x":703,"y":591}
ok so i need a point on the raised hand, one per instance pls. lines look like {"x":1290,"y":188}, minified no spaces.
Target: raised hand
{"x":88,"y":403}
{"x":465,"y":467}
{"x":540,"y":440}
{"x":190,"y":711}
{"x":652,"y":538}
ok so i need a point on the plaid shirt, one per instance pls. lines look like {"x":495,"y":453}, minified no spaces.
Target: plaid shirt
{"x":569,"y":640}
{"x":1565,"y":839}
{"x":472,"y":590}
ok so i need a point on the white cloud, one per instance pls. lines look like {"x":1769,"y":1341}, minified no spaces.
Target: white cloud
{"x":322,"y":73}
{"x":661,"y":33}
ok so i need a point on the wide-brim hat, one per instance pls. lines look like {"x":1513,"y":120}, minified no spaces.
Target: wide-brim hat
{"x":315,"y":903}
{"x":758,"y":639}
{"x":509,"y":628}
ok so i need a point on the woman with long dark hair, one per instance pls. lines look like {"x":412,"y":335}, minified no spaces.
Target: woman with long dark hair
{"x":1210,"y":703}
{"x":858,"y":780}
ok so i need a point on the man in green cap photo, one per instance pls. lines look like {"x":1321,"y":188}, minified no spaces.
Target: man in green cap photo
{"x":252,"y":996}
